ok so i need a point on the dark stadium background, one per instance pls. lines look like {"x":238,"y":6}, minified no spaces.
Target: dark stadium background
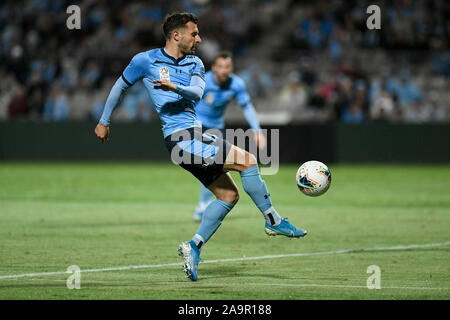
{"x":337,"y":91}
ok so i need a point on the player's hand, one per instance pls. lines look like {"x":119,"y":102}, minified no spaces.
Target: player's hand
{"x":102,"y":132}
{"x":165,"y":85}
{"x":260,"y":140}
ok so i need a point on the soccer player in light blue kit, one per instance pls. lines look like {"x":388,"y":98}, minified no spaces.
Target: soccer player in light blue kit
{"x":174,"y":78}
{"x":222,"y":86}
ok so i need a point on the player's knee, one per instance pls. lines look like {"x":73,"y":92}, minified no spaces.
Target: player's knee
{"x":251,"y":161}
{"x":240,"y":160}
{"x":232,"y":197}
{"x":235,"y":197}
{"x":229,"y":196}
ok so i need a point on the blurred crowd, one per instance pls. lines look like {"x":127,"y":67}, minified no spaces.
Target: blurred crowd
{"x":353,"y":98}
{"x":46,"y":68}
{"x":52,"y":73}
{"x":406,"y":24}
{"x":343,"y":71}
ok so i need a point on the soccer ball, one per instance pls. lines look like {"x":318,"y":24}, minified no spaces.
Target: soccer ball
{"x":313,"y":178}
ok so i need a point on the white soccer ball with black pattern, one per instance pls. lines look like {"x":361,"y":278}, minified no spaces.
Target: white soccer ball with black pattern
{"x":313,"y":178}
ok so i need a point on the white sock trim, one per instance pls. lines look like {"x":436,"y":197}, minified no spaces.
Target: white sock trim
{"x":197,"y":238}
{"x":276,"y":217}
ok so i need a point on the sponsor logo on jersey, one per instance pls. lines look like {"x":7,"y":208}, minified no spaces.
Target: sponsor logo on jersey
{"x":209,"y":99}
{"x":164,"y":73}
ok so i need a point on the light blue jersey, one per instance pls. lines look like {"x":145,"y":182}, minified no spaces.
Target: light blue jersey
{"x":211,"y":108}
{"x":175,"y":109}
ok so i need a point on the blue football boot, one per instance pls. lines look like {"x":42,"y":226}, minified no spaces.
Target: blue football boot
{"x":191,"y":257}
{"x":285,"y":228}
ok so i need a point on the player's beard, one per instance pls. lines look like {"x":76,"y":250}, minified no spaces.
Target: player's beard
{"x":186,"y":49}
{"x":222,"y":78}
{"x":192,"y":49}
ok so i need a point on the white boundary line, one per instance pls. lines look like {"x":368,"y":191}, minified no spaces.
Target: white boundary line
{"x":306,"y":254}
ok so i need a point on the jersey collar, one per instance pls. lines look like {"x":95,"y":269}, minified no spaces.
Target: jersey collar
{"x":175,"y":60}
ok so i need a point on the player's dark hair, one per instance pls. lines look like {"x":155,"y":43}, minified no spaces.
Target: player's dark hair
{"x":224,"y":55}
{"x":177,"y":20}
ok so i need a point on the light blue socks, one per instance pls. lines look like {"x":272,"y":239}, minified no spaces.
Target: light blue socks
{"x":257,"y":190}
{"x":211,"y":221}
{"x":216,"y":211}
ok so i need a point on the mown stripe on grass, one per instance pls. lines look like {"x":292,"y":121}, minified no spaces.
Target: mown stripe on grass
{"x":340,"y":286}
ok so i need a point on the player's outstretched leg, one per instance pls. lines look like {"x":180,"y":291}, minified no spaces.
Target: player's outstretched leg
{"x":227,"y":195}
{"x":244,"y":162}
{"x":205,"y":199}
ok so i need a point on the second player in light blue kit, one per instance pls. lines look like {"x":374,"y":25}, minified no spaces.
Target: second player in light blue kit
{"x":222,"y":86}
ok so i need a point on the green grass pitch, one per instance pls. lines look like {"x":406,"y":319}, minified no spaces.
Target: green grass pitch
{"x":97,"y":216}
